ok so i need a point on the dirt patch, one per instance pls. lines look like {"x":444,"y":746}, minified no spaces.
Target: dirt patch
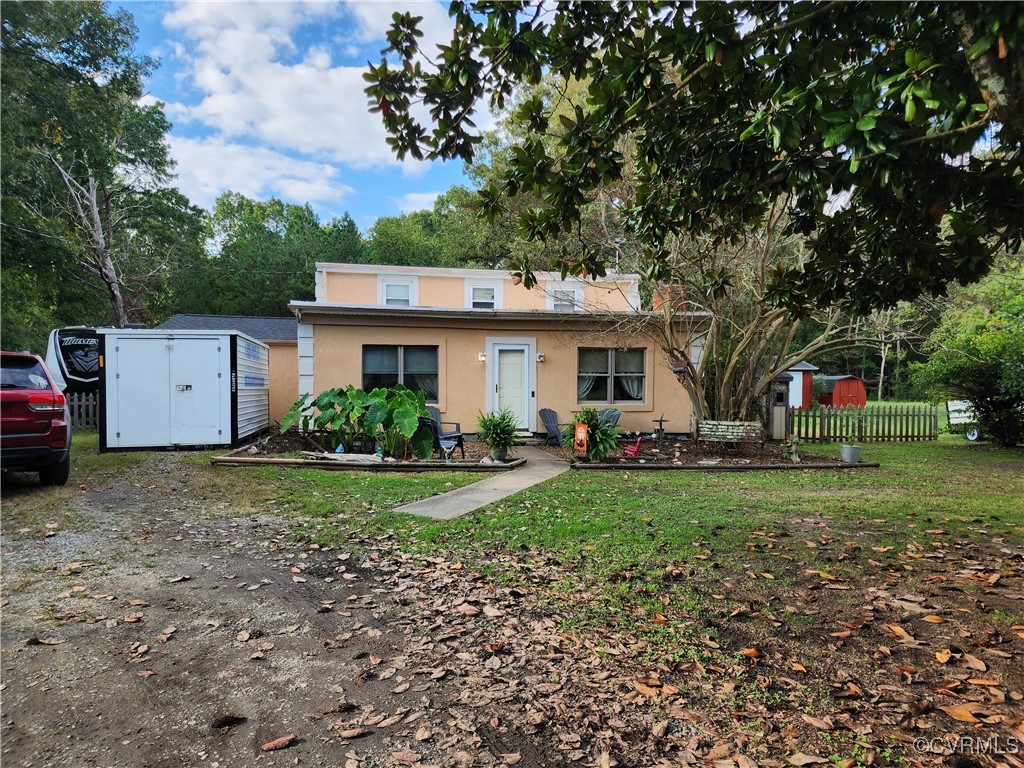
{"x":163,"y":630}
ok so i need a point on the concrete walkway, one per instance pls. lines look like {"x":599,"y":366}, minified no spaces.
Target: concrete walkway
{"x":540,"y":466}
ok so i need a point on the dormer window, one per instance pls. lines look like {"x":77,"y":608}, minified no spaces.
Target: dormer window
{"x":397,"y":294}
{"x":565,"y":297}
{"x":483,"y":294}
{"x":483,"y":297}
{"x":397,"y":291}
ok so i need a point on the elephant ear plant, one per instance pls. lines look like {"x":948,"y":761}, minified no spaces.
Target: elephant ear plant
{"x":602,"y":437}
{"x":390,"y":418}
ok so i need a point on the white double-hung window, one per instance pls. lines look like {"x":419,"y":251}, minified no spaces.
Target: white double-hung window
{"x":397,"y":291}
{"x":483,"y":294}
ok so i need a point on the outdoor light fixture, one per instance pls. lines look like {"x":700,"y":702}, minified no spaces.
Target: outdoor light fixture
{"x":481,"y":357}
{"x":540,"y":357}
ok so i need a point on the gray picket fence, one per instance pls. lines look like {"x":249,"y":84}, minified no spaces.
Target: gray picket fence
{"x":873,"y":424}
{"x":85,"y":410}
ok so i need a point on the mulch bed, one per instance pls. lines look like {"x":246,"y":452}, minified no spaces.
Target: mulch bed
{"x":689,"y":454}
{"x":296,"y":446}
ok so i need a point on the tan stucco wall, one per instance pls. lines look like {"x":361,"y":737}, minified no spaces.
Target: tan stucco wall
{"x":284,"y":378}
{"x":440,"y":290}
{"x":463,"y":378}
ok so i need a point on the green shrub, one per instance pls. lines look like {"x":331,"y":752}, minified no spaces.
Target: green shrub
{"x":499,"y":429}
{"x":388,"y":417}
{"x":602,"y":438}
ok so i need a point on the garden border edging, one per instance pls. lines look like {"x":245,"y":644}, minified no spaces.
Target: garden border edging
{"x":716,"y":468}
{"x":232,"y":460}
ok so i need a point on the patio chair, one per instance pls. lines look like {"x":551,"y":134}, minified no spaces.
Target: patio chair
{"x":444,"y":443}
{"x":451,"y":434}
{"x":632,"y":451}
{"x":609,"y":416}
{"x":550,"y":421}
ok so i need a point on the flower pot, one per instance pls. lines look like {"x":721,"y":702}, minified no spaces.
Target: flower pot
{"x":499,"y":454}
{"x":849,"y":453}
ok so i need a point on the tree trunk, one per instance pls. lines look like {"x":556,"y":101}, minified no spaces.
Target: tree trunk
{"x":881,"y":371}
{"x":90,"y":202}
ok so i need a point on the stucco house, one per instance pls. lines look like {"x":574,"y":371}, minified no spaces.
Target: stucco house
{"x":476,"y":340}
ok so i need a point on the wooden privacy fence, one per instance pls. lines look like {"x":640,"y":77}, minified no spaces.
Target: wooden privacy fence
{"x":873,"y":424}
{"x":85,"y":411}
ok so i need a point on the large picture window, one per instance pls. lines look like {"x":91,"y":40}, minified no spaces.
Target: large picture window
{"x":415,"y":367}
{"x":611,"y":376}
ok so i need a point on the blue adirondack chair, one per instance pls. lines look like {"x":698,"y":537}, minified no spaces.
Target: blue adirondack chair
{"x":453,"y":436}
{"x":550,"y":421}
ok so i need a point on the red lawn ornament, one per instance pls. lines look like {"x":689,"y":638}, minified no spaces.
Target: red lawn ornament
{"x":632,"y":451}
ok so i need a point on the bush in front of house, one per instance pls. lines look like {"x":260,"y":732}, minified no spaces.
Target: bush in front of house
{"x":388,"y":418}
{"x":602,"y":437}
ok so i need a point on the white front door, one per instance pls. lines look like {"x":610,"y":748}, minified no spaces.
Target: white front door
{"x":512,"y":372}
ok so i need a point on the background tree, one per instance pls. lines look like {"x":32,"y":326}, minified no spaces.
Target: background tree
{"x":732,"y":106}
{"x":85,"y":199}
{"x":261,"y":255}
{"x":977,"y":352}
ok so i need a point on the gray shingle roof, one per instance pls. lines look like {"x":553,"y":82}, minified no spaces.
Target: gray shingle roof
{"x":261,"y":328}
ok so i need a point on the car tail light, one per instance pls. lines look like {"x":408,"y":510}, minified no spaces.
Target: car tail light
{"x":46,"y":401}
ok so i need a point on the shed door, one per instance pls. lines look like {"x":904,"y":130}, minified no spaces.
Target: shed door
{"x":141,"y":403}
{"x":198,"y":374}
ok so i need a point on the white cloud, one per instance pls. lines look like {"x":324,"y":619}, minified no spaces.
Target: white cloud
{"x":239,"y":58}
{"x":208,"y":167}
{"x":373,"y":20}
{"x":415,"y":201}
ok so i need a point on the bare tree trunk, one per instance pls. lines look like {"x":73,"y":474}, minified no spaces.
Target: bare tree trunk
{"x":881,"y":371}
{"x":88,"y":202}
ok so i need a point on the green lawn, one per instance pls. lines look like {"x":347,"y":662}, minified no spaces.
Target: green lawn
{"x":599,"y":531}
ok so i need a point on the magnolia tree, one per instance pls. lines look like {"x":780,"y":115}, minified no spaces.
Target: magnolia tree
{"x":732,"y":106}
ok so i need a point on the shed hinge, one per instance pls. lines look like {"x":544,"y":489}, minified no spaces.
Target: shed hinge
{"x":220,"y":432}
{"x":117,"y":375}
{"x":118,"y":434}
{"x":117,"y":349}
{"x":220,"y":375}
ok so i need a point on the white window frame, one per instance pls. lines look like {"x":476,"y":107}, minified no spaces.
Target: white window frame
{"x":401,"y":372}
{"x":496,"y":285}
{"x":610,"y":376}
{"x":385,"y":280}
{"x":577,"y":293}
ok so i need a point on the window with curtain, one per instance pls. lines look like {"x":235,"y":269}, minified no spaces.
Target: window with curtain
{"x":412,"y":366}
{"x":611,"y":376}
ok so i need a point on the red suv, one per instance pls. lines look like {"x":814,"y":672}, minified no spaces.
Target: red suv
{"x":35,"y":429}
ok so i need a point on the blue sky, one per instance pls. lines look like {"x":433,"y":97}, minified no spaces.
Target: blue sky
{"x":266,"y":99}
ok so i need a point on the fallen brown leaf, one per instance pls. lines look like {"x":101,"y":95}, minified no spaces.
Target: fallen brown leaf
{"x":280,"y":743}
{"x":803,"y":759}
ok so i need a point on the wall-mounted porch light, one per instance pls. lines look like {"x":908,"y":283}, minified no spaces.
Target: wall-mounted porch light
{"x":481,"y":357}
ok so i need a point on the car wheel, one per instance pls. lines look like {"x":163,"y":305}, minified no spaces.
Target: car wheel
{"x":972,"y":433}
{"x":56,"y":474}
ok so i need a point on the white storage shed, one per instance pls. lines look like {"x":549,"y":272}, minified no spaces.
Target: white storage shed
{"x":176,"y":389}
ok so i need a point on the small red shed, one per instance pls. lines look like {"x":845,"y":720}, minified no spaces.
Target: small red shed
{"x":844,"y":392}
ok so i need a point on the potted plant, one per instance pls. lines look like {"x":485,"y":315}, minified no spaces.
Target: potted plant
{"x":499,"y":429}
